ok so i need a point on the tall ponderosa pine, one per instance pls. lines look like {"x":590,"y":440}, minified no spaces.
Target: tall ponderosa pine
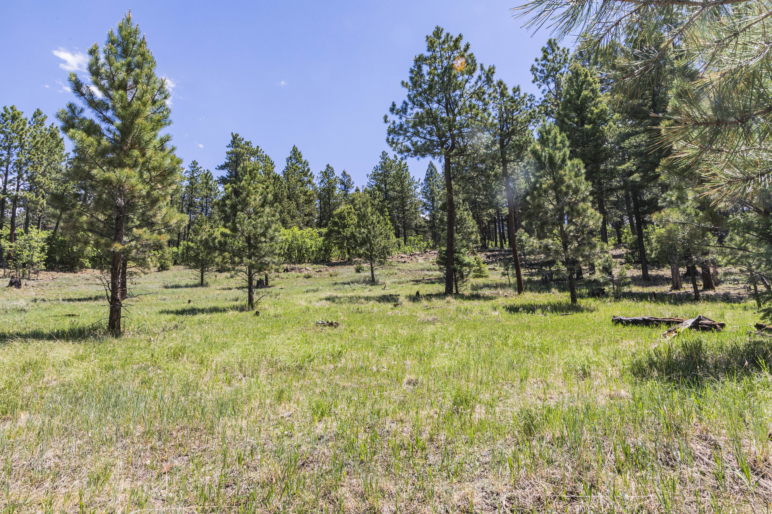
{"x":299,"y":208}
{"x":548,"y":73}
{"x":431,"y":197}
{"x":329,"y":195}
{"x":560,"y":204}
{"x":13,"y":128}
{"x":345,"y":185}
{"x":584,"y":118}
{"x":251,"y":240}
{"x":380,"y":185}
{"x":445,"y":97}
{"x":406,"y":203}
{"x":124,"y":167}
{"x":511,"y":117}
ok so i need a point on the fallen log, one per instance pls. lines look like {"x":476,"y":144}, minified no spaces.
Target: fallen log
{"x":698,"y":323}
{"x":646,"y":321}
{"x":761,"y":327}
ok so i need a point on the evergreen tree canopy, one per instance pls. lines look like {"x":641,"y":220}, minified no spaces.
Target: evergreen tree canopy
{"x":445,"y":99}
{"x":299,"y":208}
{"x":124,"y":167}
{"x":251,"y":240}
{"x":345,"y":185}
{"x":372,"y":234}
{"x":431,"y":195}
{"x":559,"y":203}
{"x":584,"y":118}
{"x":512,"y":115}
{"x":548,"y":73}
{"x":329,"y":195}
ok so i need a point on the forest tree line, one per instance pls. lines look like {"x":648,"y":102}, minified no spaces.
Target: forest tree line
{"x":564,"y":177}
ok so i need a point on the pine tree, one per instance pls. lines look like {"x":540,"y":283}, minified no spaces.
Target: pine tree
{"x":512,"y":115}
{"x":405,"y":203}
{"x":373,"y":235}
{"x":466,"y":231}
{"x":241,"y":152}
{"x":251,"y":240}
{"x":445,"y":97}
{"x":209,"y":191}
{"x":548,"y":74}
{"x":584,"y":118}
{"x":124,"y":167}
{"x":203,"y":246}
{"x":340,"y":232}
{"x":329,"y":196}
{"x":431,"y":196}
{"x":190,"y":196}
{"x":13,"y":127}
{"x":561,"y":211}
{"x":380,"y":186}
{"x":346,"y":186}
{"x":300,"y":197}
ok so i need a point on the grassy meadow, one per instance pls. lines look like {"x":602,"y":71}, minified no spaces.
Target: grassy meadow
{"x":482,"y":402}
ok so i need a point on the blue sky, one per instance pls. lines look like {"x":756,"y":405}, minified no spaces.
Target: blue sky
{"x":319,"y":75}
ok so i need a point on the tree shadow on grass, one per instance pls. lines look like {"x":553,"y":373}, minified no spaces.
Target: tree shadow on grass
{"x":692,"y":361}
{"x":65,"y":335}
{"x":183,"y":286}
{"x":94,"y":298}
{"x":195,"y":311}
{"x":684,"y":297}
{"x":547,"y":308}
{"x":360,"y":298}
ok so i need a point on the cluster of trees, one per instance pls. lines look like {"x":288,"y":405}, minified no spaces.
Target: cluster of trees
{"x":639,"y":139}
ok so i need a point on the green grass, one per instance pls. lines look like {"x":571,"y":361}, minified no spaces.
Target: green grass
{"x":486,"y":402}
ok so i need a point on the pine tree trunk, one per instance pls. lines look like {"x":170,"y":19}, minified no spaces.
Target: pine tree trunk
{"x":372,"y":272}
{"x":26,"y":218}
{"x":201,"y":283}
{"x":124,"y":279}
{"x":266,"y":280}
{"x":629,"y":211}
{"x":14,"y":206}
{"x":641,"y":246}
{"x":53,"y":234}
{"x":707,"y":278}
{"x":450,"y":244}
{"x":250,"y":288}
{"x":116,"y":305}
{"x":511,"y":225}
{"x":604,"y":222}
{"x":693,"y":273}
{"x":2,"y":206}
{"x":572,"y":285}
{"x":755,"y":284}
{"x":578,"y":270}
{"x":675,"y":275}
{"x":618,"y":229}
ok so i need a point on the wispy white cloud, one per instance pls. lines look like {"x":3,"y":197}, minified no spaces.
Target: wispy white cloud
{"x":200,"y":145}
{"x":64,"y":87}
{"x":47,"y":86}
{"x":97,"y":92}
{"x":170,"y":85}
{"x":73,"y":61}
{"x":283,"y":83}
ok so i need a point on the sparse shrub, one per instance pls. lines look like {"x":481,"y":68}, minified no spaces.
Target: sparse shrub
{"x":359,"y":268}
{"x":621,"y":282}
{"x":480,"y":269}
